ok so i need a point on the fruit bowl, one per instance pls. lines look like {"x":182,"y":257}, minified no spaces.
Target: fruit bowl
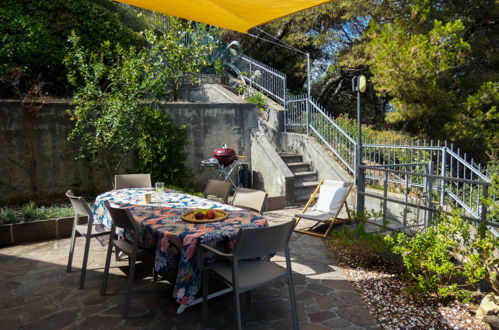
{"x":204,"y":216}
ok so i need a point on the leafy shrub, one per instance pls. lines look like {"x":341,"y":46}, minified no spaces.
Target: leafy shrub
{"x":160,"y":148}
{"x":447,"y":258}
{"x":258,"y":99}
{"x":29,"y":211}
{"x":7,"y":216}
{"x":359,"y":236}
{"x":368,"y":132}
{"x":33,"y":36}
{"x":116,"y":106}
{"x":54,"y":212}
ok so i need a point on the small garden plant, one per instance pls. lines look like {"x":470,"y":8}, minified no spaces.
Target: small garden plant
{"x":31,"y":211}
{"x":447,"y":260}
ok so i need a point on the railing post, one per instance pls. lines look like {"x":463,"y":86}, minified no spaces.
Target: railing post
{"x":442,"y":173}
{"x":360,"y":189}
{"x":250,"y":75}
{"x":406,"y":195}
{"x":429,"y":182}
{"x":285,"y":105}
{"x":307,"y":107}
{"x":308,"y":93}
{"x":485,"y":195}
{"x":385,"y":195}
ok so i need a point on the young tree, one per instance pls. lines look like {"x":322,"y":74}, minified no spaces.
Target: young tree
{"x":116,"y":107}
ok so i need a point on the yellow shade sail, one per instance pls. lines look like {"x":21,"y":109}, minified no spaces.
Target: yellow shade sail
{"x":237,"y":15}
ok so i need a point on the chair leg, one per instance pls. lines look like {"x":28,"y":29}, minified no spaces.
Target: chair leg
{"x":205,"y":298}
{"x":154,"y":274}
{"x":237,"y":309}
{"x":330,"y":227}
{"x":292,"y":298}
{"x":131,"y":274}
{"x":85,"y":260}
{"x":106,"y":268}
{"x":71,"y":251}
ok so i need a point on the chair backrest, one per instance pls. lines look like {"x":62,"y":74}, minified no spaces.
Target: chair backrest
{"x":122,"y":181}
{"x":249,"y":199}
{"x":80,"y":206}
{"x":262,"y":242}
{"x":121,"y":217}
{"x":217,"y":188}
{"x":331,"y":195}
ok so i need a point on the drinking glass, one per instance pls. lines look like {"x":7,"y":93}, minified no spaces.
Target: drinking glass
{"x":160,"y":188}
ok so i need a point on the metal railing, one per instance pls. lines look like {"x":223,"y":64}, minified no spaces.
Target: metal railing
{"x":329,"y":133}
{"x":423,"y":201}
{"x":306,"y":116}
{"x":263,"y":77}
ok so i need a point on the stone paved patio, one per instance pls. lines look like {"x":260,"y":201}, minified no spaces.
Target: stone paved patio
{"x":37,"y":293}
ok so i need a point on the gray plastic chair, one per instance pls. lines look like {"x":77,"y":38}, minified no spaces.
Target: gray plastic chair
{"x":122,"y":218}
{"x":220,"y":189}
{"x":242,"y":274}
{"x":87,"y":230}
{"x":249,"y":199}
{"x":122,"y":181}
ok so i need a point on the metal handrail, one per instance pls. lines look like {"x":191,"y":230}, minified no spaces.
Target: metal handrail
{"x":432,"y":176}
{"x":300,"y":109}
{"x":338,"y":127}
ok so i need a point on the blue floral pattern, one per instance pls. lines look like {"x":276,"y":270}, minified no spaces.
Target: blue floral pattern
{"x":175,"y":240}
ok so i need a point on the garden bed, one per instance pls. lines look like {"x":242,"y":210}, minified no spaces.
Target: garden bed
{"x":384,"y":290}
{"x":32,"y":223}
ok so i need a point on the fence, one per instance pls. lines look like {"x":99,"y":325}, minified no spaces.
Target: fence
{"x":464,"y":180}
{"x":263,"y":77}
{"x":423,"y":201}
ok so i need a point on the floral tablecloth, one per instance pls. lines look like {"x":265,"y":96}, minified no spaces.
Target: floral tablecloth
{"x":175,"y":240}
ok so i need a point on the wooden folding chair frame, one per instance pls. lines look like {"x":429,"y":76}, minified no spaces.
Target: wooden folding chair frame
{"x":331,"y":221}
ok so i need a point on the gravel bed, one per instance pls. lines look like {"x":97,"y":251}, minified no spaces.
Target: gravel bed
{"x":384,"y":291}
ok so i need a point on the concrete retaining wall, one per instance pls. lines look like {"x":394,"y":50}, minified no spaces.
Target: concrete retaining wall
{"x":36,"y":160}
{"x":38,"y":163}
{"x":270,"y":173}
{"x":209,"y":127}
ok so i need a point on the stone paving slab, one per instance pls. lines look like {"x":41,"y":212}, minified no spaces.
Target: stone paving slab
{"x":37,"y":293}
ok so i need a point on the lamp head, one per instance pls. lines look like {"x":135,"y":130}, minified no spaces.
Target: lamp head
{"x":359,"y":84}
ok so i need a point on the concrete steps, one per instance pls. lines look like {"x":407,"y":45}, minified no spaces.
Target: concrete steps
{"x":306,"y":180}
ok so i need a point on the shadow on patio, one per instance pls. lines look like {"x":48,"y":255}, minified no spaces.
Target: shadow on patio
{"x":37,"y":293}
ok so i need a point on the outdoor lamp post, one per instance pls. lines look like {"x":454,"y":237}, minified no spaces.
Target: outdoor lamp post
{"x":359,"y":85}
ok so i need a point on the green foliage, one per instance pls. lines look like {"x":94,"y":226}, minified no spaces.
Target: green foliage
{"x":33,"y":36}
{"x":369,"y":133}
{"x":30,"y":211}
{"x":186,"y":189}
{"x":358,"y":236}
{"x":159,"y":149}
{"x":111,"y":114}
{"x":478,"y":124}
{"x":7,"y":216}
{"x":431,"y":257}
{"x":258,"y":99}
{"x":405,"y":64}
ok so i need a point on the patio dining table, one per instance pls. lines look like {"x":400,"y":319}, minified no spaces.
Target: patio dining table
{"x":174,"y":240}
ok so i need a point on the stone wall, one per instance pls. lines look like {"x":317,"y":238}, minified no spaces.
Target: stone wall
{"x":38,"y":163}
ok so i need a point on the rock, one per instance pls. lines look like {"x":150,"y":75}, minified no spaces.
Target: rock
{"x":492,"y":320}
{"x":489,"y":305}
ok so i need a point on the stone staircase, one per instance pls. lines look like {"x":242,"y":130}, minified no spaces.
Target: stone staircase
{"x":306,"y":180}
